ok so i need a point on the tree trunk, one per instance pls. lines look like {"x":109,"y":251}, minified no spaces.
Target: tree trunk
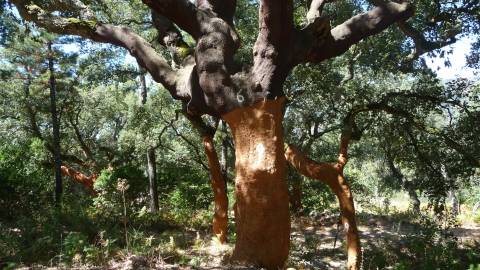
{"x":55,"y":130}
{"x":224,"y":152}
{"x":261,"y":209}
{"x":217,"y":180}
{"x":152,"y":179}
{"x":454,"y":204}
{"x":151,"y":158}
{"x":414,"y":201}
{"x":332,"y":175}
{"x":347,"y":208}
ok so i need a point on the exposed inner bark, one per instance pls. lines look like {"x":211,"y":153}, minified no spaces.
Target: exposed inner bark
{"x":332,"y":175}
{"x":217,"y":180}
{"x":86,"y":181}
{"x":261,"y":209}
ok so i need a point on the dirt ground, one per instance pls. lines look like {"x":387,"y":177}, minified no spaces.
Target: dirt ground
{"x":316,"y":243}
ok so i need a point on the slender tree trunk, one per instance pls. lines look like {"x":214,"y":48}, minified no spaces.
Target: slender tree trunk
{"x":454,"y":203}
{"x":142,"y":92}
{"x":151,"y":158}
{"x":152,"y":179}
{"x":217,"y":177}
{"x":261,"y":210}
{"x":55,"y":130}
{"x":224,"y":152}
{"x":414,"y":201}
{"x":217,"y":180}
{"x":332,"y":175}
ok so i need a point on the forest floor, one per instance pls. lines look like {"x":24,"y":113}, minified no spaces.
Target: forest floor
{"x":317,"y":243}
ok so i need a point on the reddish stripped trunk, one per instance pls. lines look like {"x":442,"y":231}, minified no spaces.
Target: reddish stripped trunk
{"x":261,"y":209}
{"x":86,"y":181}
{"x":217,"y":180}
{"x":332,"y":175}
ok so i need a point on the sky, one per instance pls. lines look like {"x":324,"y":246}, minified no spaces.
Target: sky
{"x":460,"y":49}
{"x":458,"y":60}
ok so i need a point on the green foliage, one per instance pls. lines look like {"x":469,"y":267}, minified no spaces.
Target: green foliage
{"x":317,"y":197}
{"x":74,"y":244}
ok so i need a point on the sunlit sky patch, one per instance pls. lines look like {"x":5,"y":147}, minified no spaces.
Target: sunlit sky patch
{"x":457,"y":58}
{"x":460,"y":50}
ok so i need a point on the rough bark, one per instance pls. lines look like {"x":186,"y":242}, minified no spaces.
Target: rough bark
{"x":323,"y":43}
{"x":181,"y":12}
{"x":272,"y":49}
{"x":224,"y":9}
{"x":332,"y":175}
{"x":261,"y":209}
{"x":55,"y":129}
{"x":218,"y":183}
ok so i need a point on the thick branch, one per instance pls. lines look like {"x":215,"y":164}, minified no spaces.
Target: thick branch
{"x":168,"y":33}
{"x":340,"y":38}
{"x":86,"y":181}
{"x":272,"y":50}
{"x":116,"y":35}
{"x":224,"y":9}
{"x":422,"y":45}
{"x":316,"y":9}
{"x":218,"y":183}
{"x":181,"y":12}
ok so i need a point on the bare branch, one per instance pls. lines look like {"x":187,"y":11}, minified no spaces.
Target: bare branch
{"x":328,"y":45}
{"x":316,"y":9}
{"x":422,"y":45}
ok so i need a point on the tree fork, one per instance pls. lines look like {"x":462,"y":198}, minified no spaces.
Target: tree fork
{"x":332,"y":175}
{"x":261,"y":210}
